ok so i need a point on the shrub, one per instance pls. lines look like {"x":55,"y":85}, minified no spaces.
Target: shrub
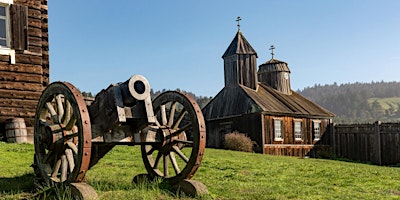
{"x":238,"y":142}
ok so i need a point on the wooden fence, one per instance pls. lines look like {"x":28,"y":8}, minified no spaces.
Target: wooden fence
{"x":378,"y":143}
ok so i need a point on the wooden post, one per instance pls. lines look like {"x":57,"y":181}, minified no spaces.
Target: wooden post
{"x":263,"y":132}
{"x":376,"y":147}
{"x":333,"y":139}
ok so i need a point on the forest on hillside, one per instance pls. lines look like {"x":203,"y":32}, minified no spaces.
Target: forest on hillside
{"x":358,"y":102}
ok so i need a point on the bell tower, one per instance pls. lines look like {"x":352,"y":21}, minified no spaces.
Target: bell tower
{"x":240,"y":62}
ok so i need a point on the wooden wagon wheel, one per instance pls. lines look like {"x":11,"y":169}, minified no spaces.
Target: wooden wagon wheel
{"x":181,"y":128}
{"x":62,"y":134}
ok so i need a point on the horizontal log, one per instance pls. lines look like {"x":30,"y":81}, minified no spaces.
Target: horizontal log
{"x":20,"y":94}
{"x":20,"y":77}
{"x":35,"y":41}
{"x":18,"y":103}
{"x":17,"y":112}
{"x":28,"y":59}
{"x":35,"y":50}
{"x":45,"y":34}
{"x":33,"y":13}
{"x":4,"y":59}
{"x":23,"y":68}
{"x":34,"y":23}
{"x":21,"y":86}
{"x":36,"y":4}
{"x":35,"y":32}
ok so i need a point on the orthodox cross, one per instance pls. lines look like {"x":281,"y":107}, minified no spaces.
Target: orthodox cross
{"x":238,"y":21}
{"x":272,"y":51}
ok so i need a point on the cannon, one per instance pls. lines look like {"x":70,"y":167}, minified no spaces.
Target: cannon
{"x":71,"y":135}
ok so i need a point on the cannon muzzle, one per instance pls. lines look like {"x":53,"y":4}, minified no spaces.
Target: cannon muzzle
{"x":136,"y":88}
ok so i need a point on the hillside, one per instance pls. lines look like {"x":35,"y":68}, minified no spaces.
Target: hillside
{"x":358,"y":102}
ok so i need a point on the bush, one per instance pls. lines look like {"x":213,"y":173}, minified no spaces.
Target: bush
{"x":238,"y":142}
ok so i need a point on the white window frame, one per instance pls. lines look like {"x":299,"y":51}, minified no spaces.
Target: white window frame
{"x":317,"y":129}
{"x":297,"y":129}
{"x":6,"y":50}
{"x":278,"y":130}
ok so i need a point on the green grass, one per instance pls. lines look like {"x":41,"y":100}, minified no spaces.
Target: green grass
{"x":227,"y":174}
{"x":386,"y":103}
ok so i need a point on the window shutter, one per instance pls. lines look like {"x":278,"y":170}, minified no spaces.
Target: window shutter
{"x":19,"y":21}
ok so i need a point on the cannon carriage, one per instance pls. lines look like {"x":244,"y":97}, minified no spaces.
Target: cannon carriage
{"x":72,"y":135}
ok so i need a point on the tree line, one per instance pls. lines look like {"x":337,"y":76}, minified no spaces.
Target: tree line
{"x":357,"y":102}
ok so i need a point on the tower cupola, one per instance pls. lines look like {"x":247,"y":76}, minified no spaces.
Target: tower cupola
{"x":240,"y":62}
{"x":276,"y":74}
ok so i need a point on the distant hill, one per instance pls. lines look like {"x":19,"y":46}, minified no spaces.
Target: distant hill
{"x":358,"y":102}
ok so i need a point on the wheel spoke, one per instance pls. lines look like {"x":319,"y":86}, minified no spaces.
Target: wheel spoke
{"x":71,"y":123}
{"x":52,"y":111}
{"x":174,"y":163}
{"x":64,"y":168}
{"x":178,"y":132}
{"x":163,"y":115}
{"x":151,"y":151}
{"x":180,"y":118}
{"x":67,"y":113}
{"x":72,"y":146}
{"x":157,"y":161}
{"x":70,"y":158}
{"x":165,"y":159}
{"x":179,"y":152}
{"x":60,"y":107}
{"x":56,"y":168}
{"x":183,"y":141}
{"x":172,"y":114}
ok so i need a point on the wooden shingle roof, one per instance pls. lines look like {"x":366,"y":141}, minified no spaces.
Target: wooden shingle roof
{"x":234,"y":101}
{"x":274,"y":65}
{"x":239,"y":45}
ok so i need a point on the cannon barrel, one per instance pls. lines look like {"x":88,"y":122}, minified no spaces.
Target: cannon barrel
{"x":135,"y":88}
{"x":112,"y":106}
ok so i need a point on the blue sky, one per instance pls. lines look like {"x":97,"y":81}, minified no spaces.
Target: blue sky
{"x":179,"y":44}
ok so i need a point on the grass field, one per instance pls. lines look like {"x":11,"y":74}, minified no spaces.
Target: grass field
{"x":227,"y":174}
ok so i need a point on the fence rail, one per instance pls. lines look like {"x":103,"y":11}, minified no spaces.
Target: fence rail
{"x":378,"y":143}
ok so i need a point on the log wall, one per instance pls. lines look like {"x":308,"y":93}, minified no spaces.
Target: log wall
{"x":21,"y":83}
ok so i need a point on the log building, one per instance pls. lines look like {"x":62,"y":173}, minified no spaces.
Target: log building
{"x":262,"y":105}
{"x":24,"y":58}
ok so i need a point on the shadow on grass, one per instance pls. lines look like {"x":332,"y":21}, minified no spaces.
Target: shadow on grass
{"x":17,"y":184}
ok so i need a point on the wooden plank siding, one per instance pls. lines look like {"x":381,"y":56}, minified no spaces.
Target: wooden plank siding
{"x":289,"y":145}
{"x":21,"y":83}
{"x":248,"y":124}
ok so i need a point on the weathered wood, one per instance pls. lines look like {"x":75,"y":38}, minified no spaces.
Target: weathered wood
{"x":35,"y":50}
{"x":38,"y":42}
{"x":17,"y":112}
{"x":19,"y":23}
{"x":20,"y":77}
{"x":34,"y":23}
{"x":28,"y":59}
{"x":24,"y":68}
{"x":34,"y":13}
{"x":35,"y":32}
{"x":4,"y":60}
{"x":376,"y":143}
{"x":19,"y":94}
{"x":21,"y":86}
{"x":32,"y":4}
{"x":18,"y":103}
